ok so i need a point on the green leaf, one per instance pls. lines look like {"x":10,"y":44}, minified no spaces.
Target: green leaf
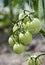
{"x":15,"y":2}
{"x":40,"y":9}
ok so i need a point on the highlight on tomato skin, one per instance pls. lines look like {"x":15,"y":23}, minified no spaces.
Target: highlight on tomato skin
{"x":18,"y":48}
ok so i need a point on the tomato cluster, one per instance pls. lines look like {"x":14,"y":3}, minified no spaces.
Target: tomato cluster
{"x":22,"y":32}
{"x":33,"y":61}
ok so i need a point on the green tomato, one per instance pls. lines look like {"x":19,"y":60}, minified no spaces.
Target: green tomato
{"x":29,"y":61}
{"x":21,"y":15}
{"x":34,"y":26}
{"x":18,"y":48}
{"x":15,"y":28}
{"x":11,"y":41}
{"x":39,"y":60}
{"x":25,"y":38}
{"x":25,"y":20}
{"x":27,"y":25}
{"x":33,"y":59}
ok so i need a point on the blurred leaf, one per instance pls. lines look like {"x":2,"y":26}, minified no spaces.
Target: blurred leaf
{"x":15,"y":2}
{"x":40,"y":9}
{"x":43,"y":32}
{"x":43,"y":26}
{"x":3,"y":24}
{"x":35,"y":5}
{"x":6,"y":2}
{"x":22,"y":3}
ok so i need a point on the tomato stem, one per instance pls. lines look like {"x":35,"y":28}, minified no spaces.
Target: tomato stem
{"x":38,"y":57}
{"x":22,"y":19}
{"x":29,"y":11}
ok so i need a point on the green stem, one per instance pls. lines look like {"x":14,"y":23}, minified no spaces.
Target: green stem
{"x":38,"y":57}
{"x":28,"y":11}
{"x":22,"y":19}
{"x":11,"y":12}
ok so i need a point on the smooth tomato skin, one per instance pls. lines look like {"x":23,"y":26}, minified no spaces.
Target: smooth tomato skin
{"x":25,"y":20}
{"x":21,"y":15}
{"x":18,"y":48}
{"x":25,"y":38}
{"x":29,"y":61}
{"x":27,"y":25}
{"x":34,"y":27}
{"x":11,"y":41}
{"x":39,"y":61}
{"x":15,"y":28}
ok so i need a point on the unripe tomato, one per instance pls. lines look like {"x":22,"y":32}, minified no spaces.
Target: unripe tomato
{"x":39,"y":61}
{"x":35,"y":26}
{"x":25,"y":38}
{"x":15,"y":28}
{"x":31,"y":60}
{"x":18,"y":48}
{"x":27,"y":26}
{"x":25,"y":20}
{"x":21,"y":15}
{"x":11,"y":41}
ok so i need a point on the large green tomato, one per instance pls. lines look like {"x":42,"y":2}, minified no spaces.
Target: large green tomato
{"x":11,"y":41}
{"x":18,"y":48}
{"x":25,"y":38}
{"x":34,"y":26}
